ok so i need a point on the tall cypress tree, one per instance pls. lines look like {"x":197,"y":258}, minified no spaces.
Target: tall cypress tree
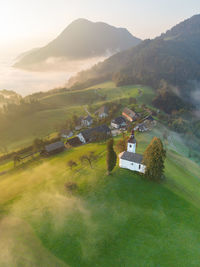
{"x":111,"y":156}
{"x":154,"y":158}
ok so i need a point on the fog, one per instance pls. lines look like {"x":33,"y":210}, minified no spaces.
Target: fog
{"x":53,"y":73}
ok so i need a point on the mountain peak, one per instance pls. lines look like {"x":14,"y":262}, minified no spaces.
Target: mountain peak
{"x":80,"y":20}
{"x":82,"y":39}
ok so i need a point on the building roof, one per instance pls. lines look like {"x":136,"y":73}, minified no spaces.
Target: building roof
{"x":101,"y":110}
{"x":133,"y":157}
{"x":88,"y":118}
{"x":54,"y":146}
{"x":66,"y":132}
{"x":150,"y":118}
{"x":119,"y":120}
{"x":132,"y":140}
{"x":129,"y":112}
{"x":74,"y":142}
{"x":88,"y":134}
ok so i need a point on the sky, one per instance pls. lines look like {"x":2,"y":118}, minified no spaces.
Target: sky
{"x":25,"y":24}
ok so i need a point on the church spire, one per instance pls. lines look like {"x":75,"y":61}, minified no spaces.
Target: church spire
{"x":131,"y":147}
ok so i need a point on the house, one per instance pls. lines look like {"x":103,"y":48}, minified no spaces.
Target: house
{"x":142,"y":127}
{"x":146,"y":125}
{"x":118,"y":123}
{"x":130,"y":159}
{"x":78,"y":125}
{"x":66,"y":133}
{"x":129,"y":115}
{"x":102,"y":112}
{"x":53,"y":148}
{"x":97,"y":133}
{"x":73,"y":142}
{"x":150,"y":121}
{"x":87,"y":121}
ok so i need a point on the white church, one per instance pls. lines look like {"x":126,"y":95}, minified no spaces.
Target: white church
{"x":130,"y":159}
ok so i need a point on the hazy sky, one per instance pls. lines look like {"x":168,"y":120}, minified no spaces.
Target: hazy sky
{"x":25,"y":24}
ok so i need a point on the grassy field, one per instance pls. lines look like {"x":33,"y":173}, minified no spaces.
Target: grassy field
{"x":18,"y":133}
{"x":117,"y":220}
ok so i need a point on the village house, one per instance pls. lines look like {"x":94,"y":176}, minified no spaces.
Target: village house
{"x":150,"y":121}
{"x":102,"y":112}
{"x":53,"y":148}
{"x":66,"y":133}
{"x":129,"y":114}
{"x":73,"y":142}
{"x":87,"y":121}
{"x":118,"y":123}
{"x":78,"y":125}
{"x":90,"y":135}
{"x":146,"y":125}
{"x":130,"y":159}
{"x":141,"y":127}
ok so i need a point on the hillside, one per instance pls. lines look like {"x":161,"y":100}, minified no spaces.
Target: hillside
{"x":48,"y":113}
{"x":174,"y":57}
{"x":82,"y":39}
{"x":109,"y":220}
{"x":9,"y":97}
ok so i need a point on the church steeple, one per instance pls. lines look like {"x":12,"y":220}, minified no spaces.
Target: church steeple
{"x":131,"y":147}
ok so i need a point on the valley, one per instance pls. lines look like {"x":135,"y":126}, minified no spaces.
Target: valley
{"x":99,"y":135}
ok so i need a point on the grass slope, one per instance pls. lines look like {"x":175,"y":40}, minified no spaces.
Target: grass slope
{"x":117,"y":220}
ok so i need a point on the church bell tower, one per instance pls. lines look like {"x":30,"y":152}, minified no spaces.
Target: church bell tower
{"x":131,"y":147}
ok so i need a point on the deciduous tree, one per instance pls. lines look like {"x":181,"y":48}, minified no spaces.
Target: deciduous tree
{"x":71,"y":164}
{"x":88,"y":158}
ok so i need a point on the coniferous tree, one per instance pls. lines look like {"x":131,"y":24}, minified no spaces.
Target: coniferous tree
{"x":122,"y":143}
{"x":154,"y":158}
{"x":111,"y":156}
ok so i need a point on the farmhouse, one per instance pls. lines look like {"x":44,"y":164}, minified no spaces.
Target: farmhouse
{"x":130,"y":159}
{"x":141,"y":127}
{"x":73,"y":142}
{"x":129,"y":115}
{"x":118,"y":123}
{"x":98,"y":133}
{"x":53,"y":148}
{"x":102,"y":112}
{"x":87,"y":121}
{"x":66,"y":133}
{"x":146,"y":125}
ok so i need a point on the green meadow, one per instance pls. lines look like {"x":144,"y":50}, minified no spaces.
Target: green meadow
{"x":18,"y":133}
{"x":116,"y":220}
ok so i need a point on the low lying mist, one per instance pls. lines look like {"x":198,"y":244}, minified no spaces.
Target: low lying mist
{"x":53,"y":73}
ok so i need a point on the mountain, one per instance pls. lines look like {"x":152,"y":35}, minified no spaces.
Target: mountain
{"x":173,"y":56}
{"x":80,"y":40}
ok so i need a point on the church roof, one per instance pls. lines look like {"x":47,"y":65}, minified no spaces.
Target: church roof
{"x":133,"y":157}
{"x":132,"y":140}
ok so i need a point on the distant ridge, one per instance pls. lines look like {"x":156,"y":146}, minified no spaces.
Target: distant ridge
{"x":80,"y":40}
{"x":174,"y":56}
